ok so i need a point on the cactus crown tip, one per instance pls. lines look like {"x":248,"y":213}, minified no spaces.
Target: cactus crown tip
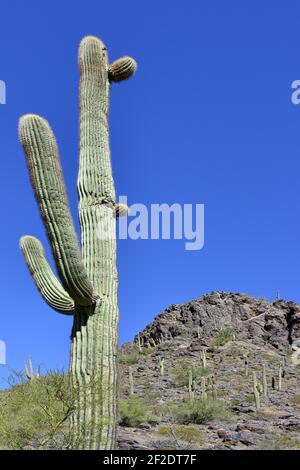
{"x":89,"y":49}
{"x":27,"y":120}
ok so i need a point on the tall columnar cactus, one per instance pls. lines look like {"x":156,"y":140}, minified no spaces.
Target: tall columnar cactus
{"x":203,"y":358}
{"x":264,"y":381}
{"x":256,"y":391}
{"x":88,"y":275}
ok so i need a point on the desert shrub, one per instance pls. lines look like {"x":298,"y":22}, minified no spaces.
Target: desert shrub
{"x":224,"y":336}
{"x":296,"y":401}
{"x":135,"y":355}
{"x":200,"y":411}
{"x":281,"y":441}
{"x":181,"y":374}
{"x":33,"y":414}
{"x":130,"y":358}
{"x":147,"y":351}
{"x":134,"y":411}
{"x":188,"y":434}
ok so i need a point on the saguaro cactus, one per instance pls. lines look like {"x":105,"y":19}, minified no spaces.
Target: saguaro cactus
{"x":88,"y":275}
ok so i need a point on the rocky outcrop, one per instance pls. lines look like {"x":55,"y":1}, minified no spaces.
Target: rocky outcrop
{"x":250,"y":319}
{"x":240,"y":335}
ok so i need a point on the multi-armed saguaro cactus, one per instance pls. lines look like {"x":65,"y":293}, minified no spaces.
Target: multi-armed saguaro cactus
{"x":88,"y":276}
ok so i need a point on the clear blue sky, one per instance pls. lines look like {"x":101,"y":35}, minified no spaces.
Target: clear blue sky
{"x":207,"y":119}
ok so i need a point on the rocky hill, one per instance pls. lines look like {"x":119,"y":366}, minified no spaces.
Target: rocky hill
{"x":238,"y":335}
{"x":219,"y":372}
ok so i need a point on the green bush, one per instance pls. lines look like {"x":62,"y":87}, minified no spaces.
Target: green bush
{"x":134,"y":411}
{"x":224,"y":336}
{"x":135,"y":355}
{"x":200,"y":411}
{"x":181,"y":374}
{"x":188,"y":434}
{"x":33,"y":414}
{"x":130,"y":358}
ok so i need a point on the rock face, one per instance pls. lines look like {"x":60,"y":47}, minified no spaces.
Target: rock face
{"x":255,"y":320}
{"x":241,"y":335}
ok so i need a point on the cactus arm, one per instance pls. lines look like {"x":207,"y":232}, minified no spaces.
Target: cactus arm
{"x":122,"y":69}
{"x":43,"y":276}
{"x":47,"y":180}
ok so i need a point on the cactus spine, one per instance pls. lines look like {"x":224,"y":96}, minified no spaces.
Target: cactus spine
{"x":88,"y":288}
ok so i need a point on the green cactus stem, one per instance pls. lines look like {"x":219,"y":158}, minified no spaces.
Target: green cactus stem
{"x":162,"y":366}
{"x":29,"y":372}
{"x":43,"y":276}
{"x":280,"y":377}
{"x":264,"y":381}
{"x":122,"y":69}
{"x":203,"y":389}
{"x":256,"y":392}
{"x":246,"y":363}
{"x":131,"y":381}
{"x":190,"y":385}
{"x":273,"y":383}
{"x":139,"y":343}
{"x":88,"y":283}
{"x":203,"y":358}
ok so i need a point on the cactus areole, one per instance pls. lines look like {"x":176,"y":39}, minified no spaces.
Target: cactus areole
{"x":88,"y":276}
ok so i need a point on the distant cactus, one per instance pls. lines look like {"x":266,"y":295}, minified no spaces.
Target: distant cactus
{"x":211,"y":385}
{"x":190,"y":385}
{"x":264,"y":381}
{"x":162,"y":366}
{"x":88,"y":288}
{"x":256,"y":391}
{"x":246,"y":362}
{"x":131,"y":382}
{"x":139,"y":343}
{"x":203,"y":388}
{"x":29,"y":372}
{"x":280,"y":374}
{"x":203,"y":358}
{"x":273,"y":383}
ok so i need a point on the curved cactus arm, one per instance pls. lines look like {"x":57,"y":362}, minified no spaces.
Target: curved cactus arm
{"x":43,"y":276}
{"x":45,"y":171}
{"x":122,"y":69}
